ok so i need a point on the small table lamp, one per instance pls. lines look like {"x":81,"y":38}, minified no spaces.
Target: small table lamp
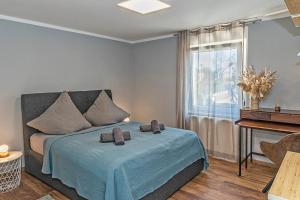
{"x":4,"y":151}
{"x":127,"y":119}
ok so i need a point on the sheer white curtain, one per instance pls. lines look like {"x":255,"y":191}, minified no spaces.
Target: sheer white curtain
{"x":212,"y":98}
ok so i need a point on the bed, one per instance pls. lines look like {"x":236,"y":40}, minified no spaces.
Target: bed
{"x":35,"y":104}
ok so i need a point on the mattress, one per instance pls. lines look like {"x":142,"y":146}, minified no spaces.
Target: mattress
{"x":37,"y":142}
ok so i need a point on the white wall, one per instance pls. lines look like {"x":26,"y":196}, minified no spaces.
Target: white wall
{"x":34,"y":59}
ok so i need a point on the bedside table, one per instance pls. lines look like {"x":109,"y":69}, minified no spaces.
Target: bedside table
{"x":10,"y":171}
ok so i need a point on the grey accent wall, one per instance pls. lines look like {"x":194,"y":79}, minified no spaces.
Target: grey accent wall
{"x":155,"y":81}
{"x":34,"y":59}
{"x":275,"y":44}
{"x":141,"y":76}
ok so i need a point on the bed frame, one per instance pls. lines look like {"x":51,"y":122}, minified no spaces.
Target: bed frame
{"x":33,"y":105}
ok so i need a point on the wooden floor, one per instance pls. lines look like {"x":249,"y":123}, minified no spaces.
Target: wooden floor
{"x":219,"y":182}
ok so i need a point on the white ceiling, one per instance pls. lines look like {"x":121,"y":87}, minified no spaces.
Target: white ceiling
{"x":104,"y":17}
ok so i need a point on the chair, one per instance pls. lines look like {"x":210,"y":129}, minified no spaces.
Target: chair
{"x":276,"y":151}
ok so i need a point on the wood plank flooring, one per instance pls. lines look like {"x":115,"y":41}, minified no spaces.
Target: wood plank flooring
{"x":220,"y":182}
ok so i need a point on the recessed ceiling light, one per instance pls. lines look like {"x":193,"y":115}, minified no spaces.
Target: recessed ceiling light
{"x":144,"y":6}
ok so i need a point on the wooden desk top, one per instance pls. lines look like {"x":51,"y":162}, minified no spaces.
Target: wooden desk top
{"x":269,"y":115}
{"x":269,"y":126}
{"x":271,"y":110}
{"x":287,"y":182}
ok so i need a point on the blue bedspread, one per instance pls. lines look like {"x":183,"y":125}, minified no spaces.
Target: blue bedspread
{"x":105,"y":171}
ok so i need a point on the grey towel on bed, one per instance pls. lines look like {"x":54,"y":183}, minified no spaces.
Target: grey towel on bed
{"x":108,"y":137}
{"x":147,"y":128}
{"x":118,"y":136}
{"x":155,"y":126}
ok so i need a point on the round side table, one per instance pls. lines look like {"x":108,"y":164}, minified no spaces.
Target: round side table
{"x":10,"y":171}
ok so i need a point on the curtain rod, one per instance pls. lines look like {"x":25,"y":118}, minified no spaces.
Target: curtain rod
{"x":240,"y":22}
{"x":244,"y":22}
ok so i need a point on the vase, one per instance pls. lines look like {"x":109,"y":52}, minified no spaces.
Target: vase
{"x":254,"y":103}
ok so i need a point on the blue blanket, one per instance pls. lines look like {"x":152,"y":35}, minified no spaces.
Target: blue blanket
{"x":106,"y":171}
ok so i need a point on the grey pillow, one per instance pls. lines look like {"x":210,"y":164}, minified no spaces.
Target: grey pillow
{"x":104,"y":111}
{"x":60,"y":118}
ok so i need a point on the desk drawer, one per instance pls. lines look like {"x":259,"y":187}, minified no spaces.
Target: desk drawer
{"x":255,"y":115}
{"x":285,"y":118}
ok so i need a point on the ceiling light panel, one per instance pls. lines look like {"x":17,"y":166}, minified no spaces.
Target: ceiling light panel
{"x":144,"y":6}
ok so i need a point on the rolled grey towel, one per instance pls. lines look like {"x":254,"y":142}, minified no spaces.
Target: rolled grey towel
{"x":118,"y":136}
{"x":108,"y":137}
{"x":147,"y":128}
{"x":155,"y":126}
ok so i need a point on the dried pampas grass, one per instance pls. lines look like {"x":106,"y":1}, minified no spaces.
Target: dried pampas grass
{"x":257,"y":85}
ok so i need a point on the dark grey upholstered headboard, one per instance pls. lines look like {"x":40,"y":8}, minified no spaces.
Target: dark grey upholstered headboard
{"x":33,"y":105}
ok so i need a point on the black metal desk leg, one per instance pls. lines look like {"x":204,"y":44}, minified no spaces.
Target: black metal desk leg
{"x":251,"y":144}
{"x":240,"y":151}
{"x":246,"y":149}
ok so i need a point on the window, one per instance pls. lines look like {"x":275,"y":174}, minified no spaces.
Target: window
{"x":214,"y":76}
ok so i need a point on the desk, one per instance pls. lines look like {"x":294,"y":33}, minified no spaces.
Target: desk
{"x":287,"y":181}
{"x":286,"y":121}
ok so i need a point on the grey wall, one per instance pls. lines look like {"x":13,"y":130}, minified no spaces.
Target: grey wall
{"x":275,"y":44}
{"x":142,"y":76}
{"x":34,"y":59}
{"x":155,"y":81}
